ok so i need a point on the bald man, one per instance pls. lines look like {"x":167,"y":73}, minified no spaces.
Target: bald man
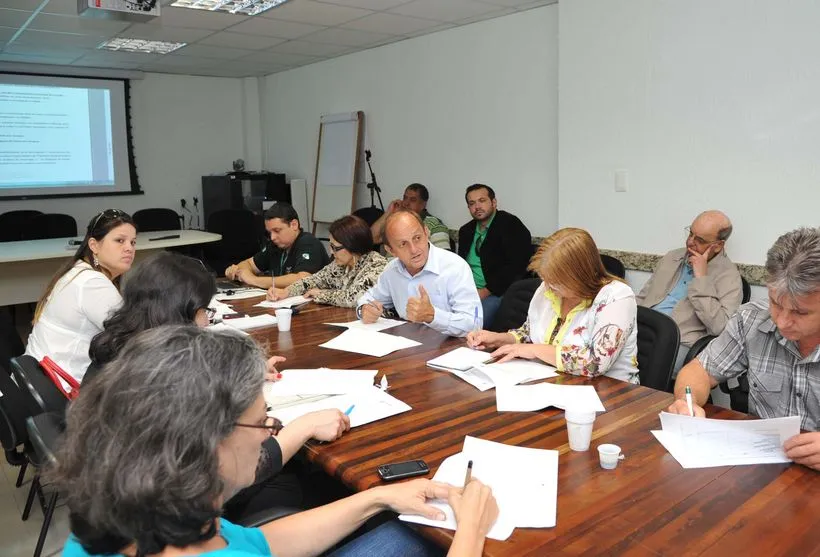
{"x":696,"y":285}
{"x":423,"y":283}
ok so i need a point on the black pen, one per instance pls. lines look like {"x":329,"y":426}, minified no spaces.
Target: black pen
{"x":469,"y":475}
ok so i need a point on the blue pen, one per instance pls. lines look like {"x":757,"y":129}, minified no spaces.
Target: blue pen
{"x":475,"y":319}
{"x":349,"y":410}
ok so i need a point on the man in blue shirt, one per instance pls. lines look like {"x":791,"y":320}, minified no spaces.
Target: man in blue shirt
{"x":423,"y":284}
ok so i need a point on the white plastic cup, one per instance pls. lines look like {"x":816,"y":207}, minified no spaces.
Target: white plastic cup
{"x":579,"y":429}
{"x":609,"y":456}
{"x":283,"y":319}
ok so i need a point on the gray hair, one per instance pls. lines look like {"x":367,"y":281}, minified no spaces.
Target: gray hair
{"x":139,"y":461}
{"x":793,"y":263}
{"x":725,"y":232}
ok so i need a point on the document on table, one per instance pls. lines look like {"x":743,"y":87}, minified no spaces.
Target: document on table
{"x":524,"y":483}
{"x":380,"y":325}
{"x":529,"y":398}
{"x":704,"y":442}
{"x":368,"y":406}
{"x":321,"y":381}
{"x":241,"y":294}
{"x":220,"y":308}
{"x":221,"y":327}
{"x":284,"y":303}
{"x":371,"y":343}
{"x":517,"y":371}
{"x":255,"y":322}
{"x":471,"y":366}
{"x":460,"y":359}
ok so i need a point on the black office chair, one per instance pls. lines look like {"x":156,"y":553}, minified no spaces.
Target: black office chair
{"x":152,"y":220}
{"x":54,"y":225}
{"x":747,"y":291}
{"x":514,"y":305}
{"x":658,"y":340}
{"x":242,"y":234}
{"x":44,"y":431}
{"x":368,"y":214}
{"x":14,"y":409}
{"x":12,"y":222}
{"x":613,"y":266}
{"x":37,"y":387}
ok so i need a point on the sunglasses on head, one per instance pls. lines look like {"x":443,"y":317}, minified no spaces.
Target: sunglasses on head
{"x":109,"y":214}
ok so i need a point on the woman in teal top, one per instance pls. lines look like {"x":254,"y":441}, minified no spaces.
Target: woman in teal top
{"x":174,"y":427}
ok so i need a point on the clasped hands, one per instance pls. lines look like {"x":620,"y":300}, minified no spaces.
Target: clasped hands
{"x":419,"y":309}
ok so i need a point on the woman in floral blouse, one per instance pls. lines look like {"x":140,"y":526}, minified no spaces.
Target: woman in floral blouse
{"x":581,"y":319}
{"x":354,"y":269}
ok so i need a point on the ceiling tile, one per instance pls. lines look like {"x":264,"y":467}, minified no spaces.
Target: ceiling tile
{"x":73,"y":24}
{"x":44,"y":55}
{"x":257,"y":67}
{"x":310,"y":49}
{"x":275,"y":28}
{"x":207,"y":51}
{"x":427,"y":31}
{"x":198,"y":19}
{"x":6,"y":33}
{"x":536,"y":4}
{"x":64,"y":7}
{"x":239,"y":40}
{"x":112,"y":58}
{"x":25,"y":5}
{"x":314,"y":13}
{"x":176,"y":61}
{"x":489,"y":15}
{"x":451,"y":10}
{"x":13,"y":18}
{"x":165,"y":33}
{"x":46,"y":38}
{"x":269,"y":57}
{"x":25,"y":59}
{"x":391,"y":23}
{"x":90,"y":62}
{"x":347,"y":37}
{"x":507,"y":3}
{"x":369,"y":4}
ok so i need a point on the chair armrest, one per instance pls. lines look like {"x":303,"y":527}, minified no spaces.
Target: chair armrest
{"x":697,"y":348}
{"x":268,"y":515}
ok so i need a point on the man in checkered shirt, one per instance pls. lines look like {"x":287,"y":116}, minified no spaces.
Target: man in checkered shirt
{"x":777,"y":343}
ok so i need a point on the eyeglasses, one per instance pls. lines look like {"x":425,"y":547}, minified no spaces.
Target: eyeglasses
{"x":698,"y":240}
{"x":210,"y":312}
{"x":273,"y":425}
{"x":335,"y":248}
{"x":108,"y":213}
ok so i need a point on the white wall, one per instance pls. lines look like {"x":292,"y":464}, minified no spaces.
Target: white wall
{"x":183,"y":128}
{"x":707,"y":105}
{"x":474,"y":104}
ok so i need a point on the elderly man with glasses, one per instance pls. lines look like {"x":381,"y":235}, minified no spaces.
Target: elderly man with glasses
{"x":697,"y":285}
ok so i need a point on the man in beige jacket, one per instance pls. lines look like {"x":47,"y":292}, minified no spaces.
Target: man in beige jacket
{"x":698,"y":286}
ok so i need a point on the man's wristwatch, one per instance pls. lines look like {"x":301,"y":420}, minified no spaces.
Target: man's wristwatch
{"x":359,"y":312}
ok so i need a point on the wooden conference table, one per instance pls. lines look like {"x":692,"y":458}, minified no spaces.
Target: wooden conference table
{"x":26,"y":267}
{"x":648,"y":506}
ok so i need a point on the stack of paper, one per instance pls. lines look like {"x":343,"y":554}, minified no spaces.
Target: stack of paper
{"x":473,"y":367}
{"x":221,"y":327}
{"x":704,"y":443}
{"x":241,"y":294}
{"x":518,"y":371}
{"x":284,"y":303}
{"x":460,"y":359}
{"x":368,"y":406}
{"x":529,"y":398}
{"x":371,"y":343}
{"x":380,"y":325}
{"x":524,"y":483}
{"x":321,"y":382}
{"x":246,"y":323}
{"x":220,"y":308}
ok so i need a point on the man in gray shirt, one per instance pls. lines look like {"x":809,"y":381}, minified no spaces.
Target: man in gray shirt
{"x":777,"y":343}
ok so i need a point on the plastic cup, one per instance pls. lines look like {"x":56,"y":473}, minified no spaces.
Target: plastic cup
{"x":579,"y":429}
{"x":609,"y":456}
{"x":283,"y":317}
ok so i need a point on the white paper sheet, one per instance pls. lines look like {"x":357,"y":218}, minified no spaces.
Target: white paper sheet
{"x":221,"y":309}
{"x":460,"y":359}
{"x":368,"y":406}
{"x":241,"y":294}
{"x":704,"y":442}
{"x":518,"y":371}
{"x":321,"y":381}
{"x":284,"y":303}
{"x":380,"y":325}
{"x":222,"y":327}
{"x":255,"y":322}
{"x":371,"y":343}
{"x":526,"y":499}
{"x":529,"y":398}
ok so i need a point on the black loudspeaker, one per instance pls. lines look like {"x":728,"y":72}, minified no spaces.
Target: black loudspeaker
{"x":242,"y":190}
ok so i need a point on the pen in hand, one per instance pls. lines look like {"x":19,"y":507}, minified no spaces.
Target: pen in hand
{"x":469,"y":475}
{"x":689,"y":400}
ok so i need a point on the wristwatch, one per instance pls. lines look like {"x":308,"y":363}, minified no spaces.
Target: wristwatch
{"x":359,"y":312}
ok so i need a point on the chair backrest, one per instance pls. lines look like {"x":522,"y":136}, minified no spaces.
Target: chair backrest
{"x":613,"y":266}
{"x":658,"y":341}
{"x":36,"y":386}
{"x":12,"y":222}
{"x":54,"y":225}
{"x":11,"y":344}
{"x":514,"y":305}
{"x":151,"y":220}
{"x":242,"y":234}
{"x":747,"y":290}
{"x":15,"y":407}
{"x":368,"y":214}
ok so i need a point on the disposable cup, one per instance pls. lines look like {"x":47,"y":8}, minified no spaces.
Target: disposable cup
{"x":283,"y":317}
{"x":609,"y":456}
{"x":579,"y":429}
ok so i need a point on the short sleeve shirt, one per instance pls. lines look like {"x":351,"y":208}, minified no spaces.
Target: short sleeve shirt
{"x":306,"y":255}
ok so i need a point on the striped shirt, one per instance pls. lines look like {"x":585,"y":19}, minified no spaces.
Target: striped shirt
{"x":781,"y":381}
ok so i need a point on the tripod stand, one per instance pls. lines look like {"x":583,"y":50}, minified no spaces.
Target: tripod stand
{"x":373,"y":186}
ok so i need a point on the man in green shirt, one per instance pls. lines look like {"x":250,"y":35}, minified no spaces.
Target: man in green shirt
{"x":415,"y":199}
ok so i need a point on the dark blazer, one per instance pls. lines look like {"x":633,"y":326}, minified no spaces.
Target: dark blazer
{"x":505,"y":252}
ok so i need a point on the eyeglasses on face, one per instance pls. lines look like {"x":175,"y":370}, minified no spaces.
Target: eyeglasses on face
{"x":273,"y":425}
{"x":210,"y":312}
{"x":335,"y":248}
{"x":698,"y":240}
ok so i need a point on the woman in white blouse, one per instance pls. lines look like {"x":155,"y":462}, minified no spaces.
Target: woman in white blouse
{"x":83,"y":293}
{"x":581,"y":319}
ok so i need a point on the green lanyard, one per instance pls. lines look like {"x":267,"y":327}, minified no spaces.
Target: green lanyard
{"x":282,"y":260}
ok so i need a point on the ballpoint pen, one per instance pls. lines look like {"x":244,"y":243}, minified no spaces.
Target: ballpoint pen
{"x":689,"y":400}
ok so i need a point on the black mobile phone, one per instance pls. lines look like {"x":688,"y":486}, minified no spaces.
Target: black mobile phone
{"x":401,"y":470}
